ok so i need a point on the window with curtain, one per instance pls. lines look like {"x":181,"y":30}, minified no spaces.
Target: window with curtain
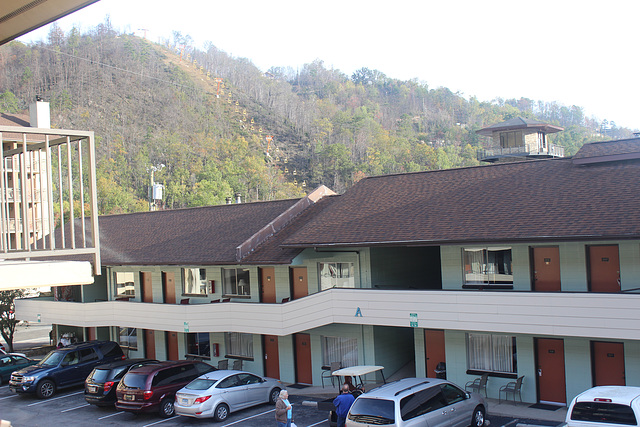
{"x":492,"y":353}
{"x":198,"y":344}
{"x":340,"y":349}
{"x":128,"y":338}
{"x":235,"y":281}
{"x":239,"y":345}
{"x":125,"y":284}
{"x":336,"y":275}
{"x":487,"y":266}
{"x":194,"y":281}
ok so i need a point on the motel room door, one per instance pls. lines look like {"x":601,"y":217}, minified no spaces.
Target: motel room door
{"x":434,"y":350}
{"x":267,"y":285}
{"x":303,"y":359}
{"x":608,"y":363}
{"x":299,"y":283}
{"x":551,"y":373}
{"x":546,"y":269}
{"x":604,"y":268}
{"x":172,"y":345}
{"x":149,"y":344}
{"x":168,"y":288}
{"x":271,"y":356}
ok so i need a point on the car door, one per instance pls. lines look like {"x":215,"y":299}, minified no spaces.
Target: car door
{"x":233,"y":392}
{"x":257,"y":391}
{"x":68,"y":370}
{"x":459,"y":408}
{"x":6,"y":367}
{"x":89,"y":359}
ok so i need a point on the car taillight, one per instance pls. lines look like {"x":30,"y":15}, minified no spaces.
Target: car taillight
{"x":202,"y":399}
{"x":600,"y":399}
{"x":108,"y":385}
{"x":147,"y":395}
{"x":123,"y":357}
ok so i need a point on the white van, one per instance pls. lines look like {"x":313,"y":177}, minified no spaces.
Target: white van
{"x":605,"y":406}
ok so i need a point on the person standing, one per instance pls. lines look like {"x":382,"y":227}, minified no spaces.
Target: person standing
{"x":284,"y":414}
{"x":343,"y":403}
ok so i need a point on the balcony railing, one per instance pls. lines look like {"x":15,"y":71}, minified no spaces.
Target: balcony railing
{"x":494,"y":153}
{"x":54,"y":171}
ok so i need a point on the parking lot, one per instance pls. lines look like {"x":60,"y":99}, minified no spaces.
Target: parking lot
{"x":69,"y":409}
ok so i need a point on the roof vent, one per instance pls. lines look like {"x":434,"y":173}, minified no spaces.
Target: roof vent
{"x":238,"y":198}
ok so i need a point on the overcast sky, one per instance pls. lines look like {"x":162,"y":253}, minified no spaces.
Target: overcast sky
{"x":575,"y":52}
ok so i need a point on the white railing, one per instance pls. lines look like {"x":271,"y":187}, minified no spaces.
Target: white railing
{"x":552,"y":151}
{"x":45,"y":178}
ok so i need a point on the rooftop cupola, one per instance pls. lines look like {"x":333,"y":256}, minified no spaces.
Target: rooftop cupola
{"x":519,"y":139}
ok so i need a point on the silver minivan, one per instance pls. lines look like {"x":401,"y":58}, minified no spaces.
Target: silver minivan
{"x":418,"y":402}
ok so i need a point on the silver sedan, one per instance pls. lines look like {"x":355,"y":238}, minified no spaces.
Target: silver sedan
{"x":218,"y":393}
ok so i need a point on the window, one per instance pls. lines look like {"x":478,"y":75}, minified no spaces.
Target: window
{"x":340,"y":349}
{"x":421,"y":402}
{"x":198,"y":344}
{"x":235,"y":281}
{"x":487,"y":266}
{"x":124,"y":284}
{"x":239,"y":345}
{"x":511,"y":139}
{"x":129,"y":338}
{"x":604,"y":412}
{"x":336,"y":275}
{"x":194,"y":281}
{"x":491,"y":353}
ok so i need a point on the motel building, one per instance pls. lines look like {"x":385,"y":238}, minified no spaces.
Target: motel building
{"x":522,"y":268}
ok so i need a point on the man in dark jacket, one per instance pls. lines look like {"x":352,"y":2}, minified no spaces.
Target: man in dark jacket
{"x":343,"y":403}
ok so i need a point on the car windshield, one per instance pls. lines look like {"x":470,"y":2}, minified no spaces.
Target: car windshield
{"x":200,"y":384}
{"x":52,"y":359}
{"x":373,"y":411}
{"x":135,"y":380}
{"x":601,"y":412}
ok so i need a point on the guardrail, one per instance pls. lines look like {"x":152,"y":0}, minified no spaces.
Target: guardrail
{"x":552,"y":151}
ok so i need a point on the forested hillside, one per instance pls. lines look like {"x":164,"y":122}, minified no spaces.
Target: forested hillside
{"x":220,"y":126}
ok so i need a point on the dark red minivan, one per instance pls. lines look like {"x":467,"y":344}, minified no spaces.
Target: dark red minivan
{"x":153,"y":387}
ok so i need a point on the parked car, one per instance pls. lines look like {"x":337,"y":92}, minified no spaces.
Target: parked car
{"x":10,"y":363}
{"x":418,"y":402}
{"x":64,"y":367}
{"x":3,"y":352}
{"x":605,"y":406}
{"x":217,"y":394}
{"x":100,"y":385}
{"x":153,"y":387}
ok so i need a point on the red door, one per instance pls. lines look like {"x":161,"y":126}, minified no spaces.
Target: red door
{"x":147,"y":286}
{"x":169,"y":288}
{"x":303,"y":359}
{"x":149,"y":344}
{"x":172,"y":346}
{"x":267,"y":285}
{"x":434,"y":350}
{"x":604,"y":269}
{"x":546,"y":269}
{"x":299,"y":284}
{"x":271,"y":357}
{"x":551,"y":375}
{"x":608,"y":363}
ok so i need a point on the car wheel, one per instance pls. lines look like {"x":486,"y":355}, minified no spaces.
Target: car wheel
{"x":221,"y":413}
{"x":477,"y":420}
{"x":273,"y":396}
{"x":45,"y":389}
{"x":166,"y":408}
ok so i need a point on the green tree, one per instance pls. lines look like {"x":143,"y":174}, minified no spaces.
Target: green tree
{"x":8,"y":319}
{"x":9,"y":103}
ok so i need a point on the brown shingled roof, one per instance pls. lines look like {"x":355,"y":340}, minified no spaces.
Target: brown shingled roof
{"x":195,"y":236}
{"x":608,"y":151}
{"x":524,"y":201}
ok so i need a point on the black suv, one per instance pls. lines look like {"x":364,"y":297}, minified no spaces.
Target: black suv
{"x":64,"y":367}
{"x":100,"y":385}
